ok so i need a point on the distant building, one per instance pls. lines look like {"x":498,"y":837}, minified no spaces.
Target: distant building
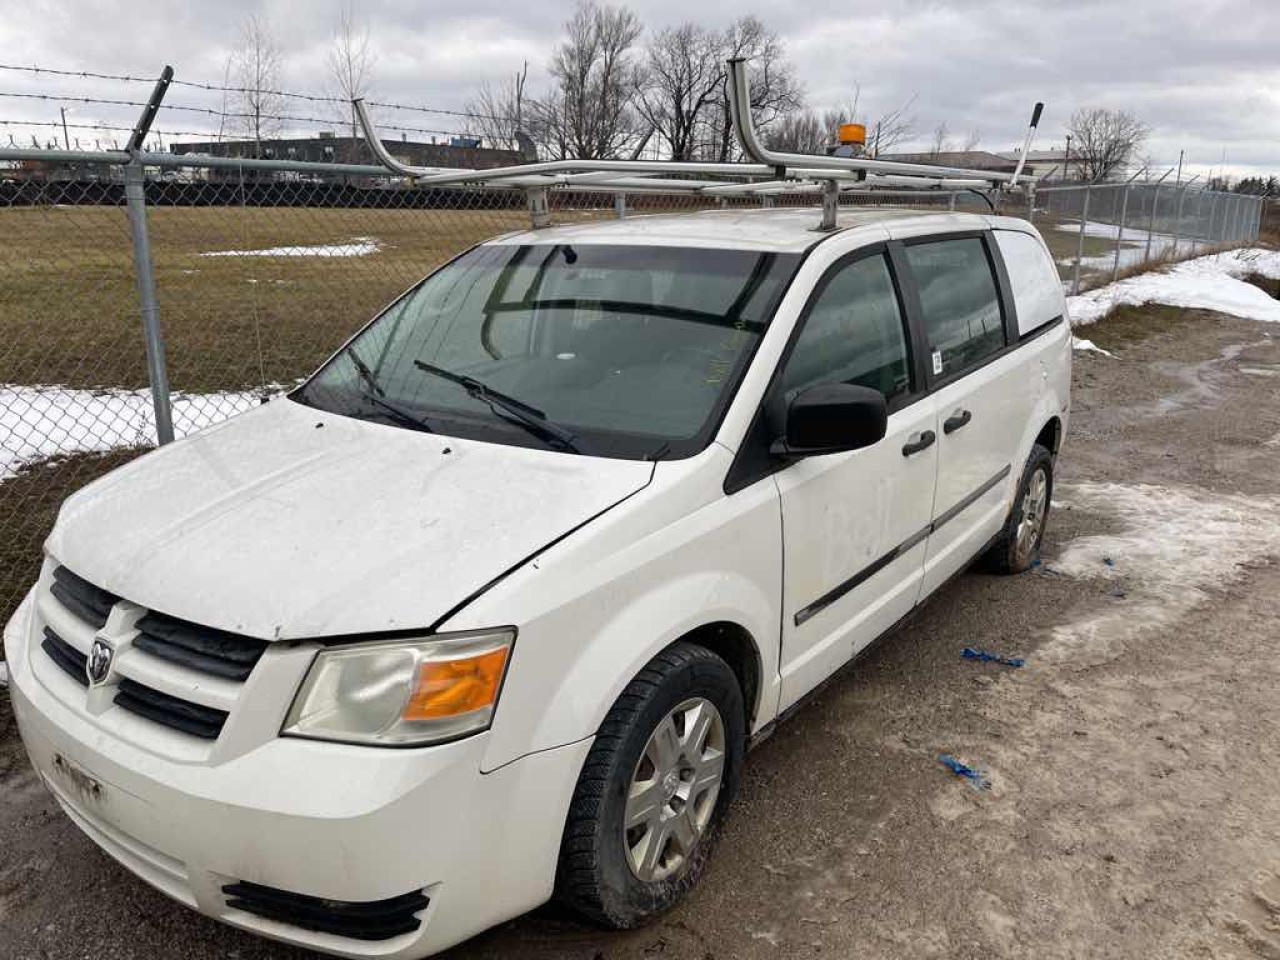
{"x":1056,"y":163}
{"x":327,"y":148}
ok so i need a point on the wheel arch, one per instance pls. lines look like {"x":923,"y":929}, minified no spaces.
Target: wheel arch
{"x":734,"y":644}
{"x":1050,"y":435}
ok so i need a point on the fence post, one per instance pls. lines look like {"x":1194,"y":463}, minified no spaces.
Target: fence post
{"x":144,"y":268}
{"x":1084,"y":219}
{"x":619,"y":205}
{"x":1151,"y":222}
{"x":135,"y":197}
{"x":1213,"y":209}
{"x":1124,"y":210}
{"x":951,"y":204}
{"x":1177,"y":220}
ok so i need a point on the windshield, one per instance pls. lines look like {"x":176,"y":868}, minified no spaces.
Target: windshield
{"x":621,"y":351}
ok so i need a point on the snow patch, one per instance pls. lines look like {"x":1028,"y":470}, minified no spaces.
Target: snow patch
{"x":358,"y":247}
{"x":1111,"y":231}
{"x":41,"y":422}
{"x":1133,"y":248}
{"x":1175,"y":544}
{"x":1079,"y":343}
{"x":1206,"y":283}
{"x":4,"y":674}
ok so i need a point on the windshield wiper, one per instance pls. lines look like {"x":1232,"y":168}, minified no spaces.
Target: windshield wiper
{"x":377,"y":396}
{"x":516,"y":411}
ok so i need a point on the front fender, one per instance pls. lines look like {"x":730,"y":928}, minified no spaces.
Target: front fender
{"x":593,"y":610}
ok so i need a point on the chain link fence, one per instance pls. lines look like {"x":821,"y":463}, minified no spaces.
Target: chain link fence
{"x":254,"y":277}
{"x":1100,"y":231}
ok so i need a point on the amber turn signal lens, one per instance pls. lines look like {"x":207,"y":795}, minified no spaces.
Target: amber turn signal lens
{"x":446,"y":688}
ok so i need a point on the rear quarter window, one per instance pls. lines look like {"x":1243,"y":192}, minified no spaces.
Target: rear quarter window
{"x":1037,"y":291}
{"x":959,"y":303}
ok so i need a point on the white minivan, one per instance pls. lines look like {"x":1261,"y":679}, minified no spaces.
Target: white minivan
{"x":489,"y":609}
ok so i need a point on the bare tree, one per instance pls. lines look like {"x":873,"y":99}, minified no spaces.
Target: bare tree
{"x":972,"y":140}
{"x":807,"y":131}
{"x":810,"y":132}
{"x":496,"y":111}
{"x":226,"y":89}
{"x":800,"y":131}
{"x":892,"y":128}
{"x":1104,"y":140}
{"x":350,"y":63}
{"x":256,"y":64}
{"x":941,"y":142}
{"x":681,"y":76}
{"x":589,"y":114}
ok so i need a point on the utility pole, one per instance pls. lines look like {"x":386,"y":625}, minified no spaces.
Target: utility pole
{"x":1066,"y":159}
{"x":1178,"y":179}
{"x":66,"y":141}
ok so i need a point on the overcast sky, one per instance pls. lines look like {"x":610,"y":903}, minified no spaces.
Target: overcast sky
{"x":1205,"y":75}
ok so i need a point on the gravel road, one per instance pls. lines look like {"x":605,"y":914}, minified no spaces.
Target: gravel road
{"x":1134,"y":763}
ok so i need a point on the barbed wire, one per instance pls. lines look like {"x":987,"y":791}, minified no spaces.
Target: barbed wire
{"x":88,"y":74}
{"x":224,"y":88}
{"x":103,"y":126}
{"x":258,"y":118}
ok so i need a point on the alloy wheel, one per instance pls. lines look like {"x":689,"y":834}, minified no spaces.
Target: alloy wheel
{"x":1035,"y":504}
{"x":673,"y":790}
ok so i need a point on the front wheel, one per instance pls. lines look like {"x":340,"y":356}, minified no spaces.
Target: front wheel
{"x":654,"y":790}
{"x":1018,"y":546}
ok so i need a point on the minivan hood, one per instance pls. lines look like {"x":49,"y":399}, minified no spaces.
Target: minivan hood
{"x":290,"y":522}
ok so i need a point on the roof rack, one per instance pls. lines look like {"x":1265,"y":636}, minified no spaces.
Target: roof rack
{"x":766,"y":172}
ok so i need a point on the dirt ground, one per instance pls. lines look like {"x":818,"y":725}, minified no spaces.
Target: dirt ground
{"x":1134,"y":764}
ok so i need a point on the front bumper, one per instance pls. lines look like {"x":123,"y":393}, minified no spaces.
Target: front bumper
{"x":323,"y":820}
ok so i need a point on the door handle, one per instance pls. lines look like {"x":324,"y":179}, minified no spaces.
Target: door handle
{"x":924,"y":443}
{"x":956,"y":421}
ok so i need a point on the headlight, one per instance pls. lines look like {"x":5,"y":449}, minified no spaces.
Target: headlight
{"x":403,"y":692}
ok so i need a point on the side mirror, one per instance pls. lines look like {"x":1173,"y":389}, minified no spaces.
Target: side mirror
{"x":832,"y":418}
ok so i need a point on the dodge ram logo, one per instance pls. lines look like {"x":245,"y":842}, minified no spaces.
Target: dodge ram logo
{"x":98,"y":665}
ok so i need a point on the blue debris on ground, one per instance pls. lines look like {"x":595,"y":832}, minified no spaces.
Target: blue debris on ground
{"x":1108,"y":561}
{"x":986,"y":656}
{"x":977,"y":779}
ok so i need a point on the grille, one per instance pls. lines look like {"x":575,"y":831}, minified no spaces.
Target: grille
{"x":200,"y":648}
{"x":91,"y":604}
{"x":160,"y":637}
{"x":192,"y":718}
{"x":370,"y":920}
{"x":65,"y":655}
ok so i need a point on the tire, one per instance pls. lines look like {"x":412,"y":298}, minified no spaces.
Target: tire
{"x":617,"y":877}
{"x":1017,"y":548}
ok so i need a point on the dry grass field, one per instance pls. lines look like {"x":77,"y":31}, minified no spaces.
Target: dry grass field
{"x":68,"y":301}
